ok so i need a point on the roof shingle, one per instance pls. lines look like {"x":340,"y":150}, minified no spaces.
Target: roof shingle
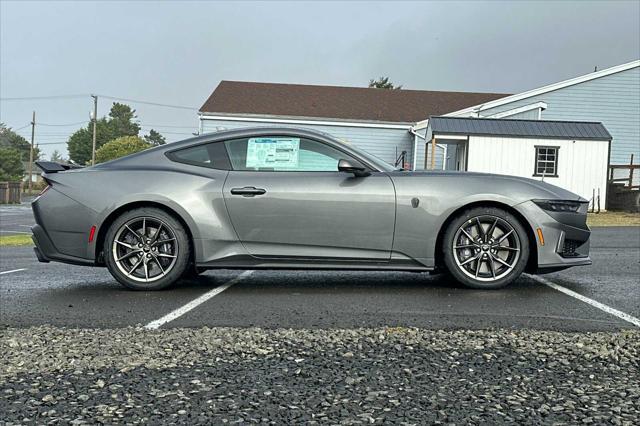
{"x":335,"y":102}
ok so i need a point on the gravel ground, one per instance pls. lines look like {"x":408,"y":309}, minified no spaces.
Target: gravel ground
{"x":390,"y":375}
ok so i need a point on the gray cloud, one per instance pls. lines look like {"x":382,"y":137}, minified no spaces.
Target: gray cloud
{"x":177,"y":52}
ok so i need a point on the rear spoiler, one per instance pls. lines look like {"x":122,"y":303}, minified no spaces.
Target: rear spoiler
{"x":52,"y":167}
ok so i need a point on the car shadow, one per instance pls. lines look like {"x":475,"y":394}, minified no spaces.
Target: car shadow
{"x":326,"y":281}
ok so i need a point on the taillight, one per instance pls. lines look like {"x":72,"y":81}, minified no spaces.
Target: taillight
{"x":92,"y":233}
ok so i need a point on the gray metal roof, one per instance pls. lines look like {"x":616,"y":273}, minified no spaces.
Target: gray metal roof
{"x":519,"y":128}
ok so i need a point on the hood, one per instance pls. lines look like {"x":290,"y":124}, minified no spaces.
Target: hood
{"x":515,"y":186}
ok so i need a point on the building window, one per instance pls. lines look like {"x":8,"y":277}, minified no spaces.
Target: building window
{"x":546,"y":161}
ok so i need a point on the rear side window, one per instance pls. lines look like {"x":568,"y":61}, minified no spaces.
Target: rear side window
{"x":212,"y":155}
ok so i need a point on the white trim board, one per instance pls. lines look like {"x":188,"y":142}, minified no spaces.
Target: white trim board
{"x":406,"y":127}
{"x":420,"y":125}
{"x":416,"y":137}
{"x":450,"y":136}
{"x":525,"y":108}
{"x":544,"y":89}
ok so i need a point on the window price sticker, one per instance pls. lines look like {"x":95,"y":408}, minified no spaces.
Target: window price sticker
{"x":273,"y":153}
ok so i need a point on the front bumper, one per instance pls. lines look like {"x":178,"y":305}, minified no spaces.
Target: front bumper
{"x":566,"y":240}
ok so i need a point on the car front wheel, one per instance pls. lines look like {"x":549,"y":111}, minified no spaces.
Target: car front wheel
{"x":485,"y":247}
{"x":147,"y":249}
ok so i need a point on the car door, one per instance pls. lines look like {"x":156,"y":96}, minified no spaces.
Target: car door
{"x":287,"y":199}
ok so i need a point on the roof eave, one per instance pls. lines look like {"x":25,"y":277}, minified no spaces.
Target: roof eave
{"x":441,"y":132}
{"x":209,"y":115}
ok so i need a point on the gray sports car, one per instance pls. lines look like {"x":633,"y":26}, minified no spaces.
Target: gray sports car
{"x":288,"y":198}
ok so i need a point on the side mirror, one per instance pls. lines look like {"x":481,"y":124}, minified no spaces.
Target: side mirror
{"x":352,"y":166}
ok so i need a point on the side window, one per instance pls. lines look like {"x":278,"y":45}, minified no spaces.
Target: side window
{"x":546,"y":161}
{"x":195,"y":155}
{"x":212,"y":155}
{"x":283,"y":153}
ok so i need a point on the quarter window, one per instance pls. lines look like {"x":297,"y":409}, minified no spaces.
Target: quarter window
{"x":546,"y":161}
{"x":283,"y":153}
{"x":210,"y":155}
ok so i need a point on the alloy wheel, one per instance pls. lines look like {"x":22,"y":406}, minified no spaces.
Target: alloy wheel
{"x":486,"y":248}
{"x":145,"y":249}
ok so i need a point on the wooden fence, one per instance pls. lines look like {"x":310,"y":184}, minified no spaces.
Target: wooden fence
{"x":624,"y":173}
{"x":10,"y":192}
{"x":624,"y":187}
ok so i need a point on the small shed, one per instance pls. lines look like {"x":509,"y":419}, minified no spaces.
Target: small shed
{"x":570,"y":154}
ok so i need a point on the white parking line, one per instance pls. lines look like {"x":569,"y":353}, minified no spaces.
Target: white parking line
{"x":616,"y":313}
{"x":195,"y":302}
{"x":15,"y":232}
{"x":12,"y":271}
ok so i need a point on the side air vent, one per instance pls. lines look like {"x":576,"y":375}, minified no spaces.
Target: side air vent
{"x":569,"y":248}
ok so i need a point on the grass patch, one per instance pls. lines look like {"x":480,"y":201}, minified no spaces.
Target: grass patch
{"x":613,"y":219}
{"x":15,"y":240}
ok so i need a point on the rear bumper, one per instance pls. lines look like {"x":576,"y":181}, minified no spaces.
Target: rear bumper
{"x":46,"y":251}
{"x":61,"y":230}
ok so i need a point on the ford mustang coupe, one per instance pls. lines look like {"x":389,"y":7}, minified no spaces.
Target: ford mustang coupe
{"x":284,"y":198}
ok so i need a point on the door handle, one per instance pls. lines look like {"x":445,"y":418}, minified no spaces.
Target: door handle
{"x":248,"y":191}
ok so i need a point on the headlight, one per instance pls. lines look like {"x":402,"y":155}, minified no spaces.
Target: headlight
{"x":559,"y":205}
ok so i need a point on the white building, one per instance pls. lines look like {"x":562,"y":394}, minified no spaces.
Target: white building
{"x":571,"y":155}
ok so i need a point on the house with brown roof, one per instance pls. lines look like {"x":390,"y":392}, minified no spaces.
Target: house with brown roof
{"x":395,"y":124}
{"x":377,"y":120}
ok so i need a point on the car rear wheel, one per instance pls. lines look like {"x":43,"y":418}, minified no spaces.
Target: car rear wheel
{"x":147,"y":249}
{"x":485,"y":247}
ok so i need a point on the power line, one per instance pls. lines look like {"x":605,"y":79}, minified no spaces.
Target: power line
{"x":176,"y":133}
{"x":29,"y":98}
{"x":64,"y":125}
{"x":20,"y":128}
{"x":168,"y":126}
{"x":44,"y":132}
{"x":149,"y":103}
{"x":45,"y":135}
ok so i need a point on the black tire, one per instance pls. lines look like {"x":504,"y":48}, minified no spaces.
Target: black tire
{"x":486,"y":267}
{"x":192,"y":273}
{"x":174,"y":254}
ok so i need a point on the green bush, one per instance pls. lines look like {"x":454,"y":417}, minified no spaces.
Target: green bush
{"x":11,"y":168}
{"x":120,"y":147}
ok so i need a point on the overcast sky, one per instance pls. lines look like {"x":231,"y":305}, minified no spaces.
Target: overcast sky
{"x":176,"y":52}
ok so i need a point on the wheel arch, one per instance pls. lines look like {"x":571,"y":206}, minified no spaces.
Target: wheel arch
{"x":112,"y":216}
{"x":532,"y":262}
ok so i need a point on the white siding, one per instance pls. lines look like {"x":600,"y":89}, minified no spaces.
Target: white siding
{"x":383,"y":143}
{"x":532,"y":114}
{"x":613,"y":100}
{"x":582,"y":165}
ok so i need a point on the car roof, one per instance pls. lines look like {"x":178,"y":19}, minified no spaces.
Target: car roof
{"x":149,"y":154}
{"x":249,"y":131}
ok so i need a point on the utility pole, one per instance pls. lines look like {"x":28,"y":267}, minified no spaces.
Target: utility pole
{"x":95,"y":121}
{"x":33,"y":132}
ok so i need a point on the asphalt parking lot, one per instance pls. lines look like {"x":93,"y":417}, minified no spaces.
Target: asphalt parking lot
{"x":33,"y":293}
{"x":16,"y":219}
{"x":290,"y":347}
